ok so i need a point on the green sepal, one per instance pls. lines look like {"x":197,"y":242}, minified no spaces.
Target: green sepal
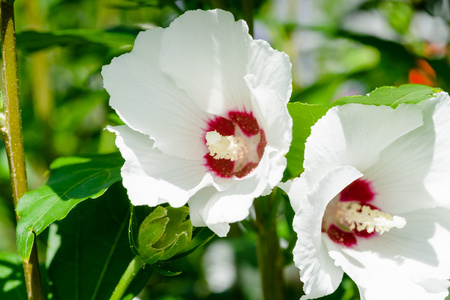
{"x":164,"y":233}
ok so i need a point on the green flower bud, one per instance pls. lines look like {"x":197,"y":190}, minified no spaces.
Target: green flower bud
{"x":165,"y":232}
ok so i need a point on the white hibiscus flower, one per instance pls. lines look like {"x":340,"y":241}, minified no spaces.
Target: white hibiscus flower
{"x":206,"y":119}
{"x":373,"y":201}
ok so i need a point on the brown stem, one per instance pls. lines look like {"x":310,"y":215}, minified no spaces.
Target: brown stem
{"x":12,"y":135}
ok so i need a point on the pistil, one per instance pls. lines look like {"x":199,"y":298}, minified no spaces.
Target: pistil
{"x":364,"y":217}
{"x":225,"y":147}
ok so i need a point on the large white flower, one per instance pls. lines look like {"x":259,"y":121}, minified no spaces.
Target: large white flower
{"x":206,"y":117}
{"x":373,"y":201}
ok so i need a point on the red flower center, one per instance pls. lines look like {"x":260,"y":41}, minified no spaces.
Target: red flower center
{"x":359,"y":191}
{"x":242,"y":129}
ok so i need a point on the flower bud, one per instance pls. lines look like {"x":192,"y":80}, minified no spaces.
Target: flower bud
{"x":165,"y":232}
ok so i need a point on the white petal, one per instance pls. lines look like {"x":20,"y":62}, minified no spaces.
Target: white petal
{"x":272,"y":115}
{"x":408,"y":263}
{"x":423,"y":244}
{"x":298,"y":188}
{"x":197,"y":205}
{"x":206,"y":54}
{"x":438,"y":178}
{"x":216,"y":54}
{"x":317,"y":270}
{"x":271,"y":69}
{"x":229,"y":206}
{"x":415,"y":169}
{"x":151,"y":177}
{"x":148,"y":101}
{"x":354,"y":135}
{"x":398,"y":176}
{"x":217,"y":209}
{"x":278,"y":164}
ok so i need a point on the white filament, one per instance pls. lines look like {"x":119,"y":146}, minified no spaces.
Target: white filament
{"x":363,"y":217}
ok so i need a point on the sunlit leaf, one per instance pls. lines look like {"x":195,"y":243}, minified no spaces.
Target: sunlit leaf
{"x":303,"y":116}
{"x":392,"y":96}
{"x":72,"y":180}
{"x":92,"y":251}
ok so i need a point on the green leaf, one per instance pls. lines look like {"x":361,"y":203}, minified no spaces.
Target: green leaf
{"x":31,"y":41}
{"x":392,"y":96}
{"x":12,"y":281}
{"x":72,"y":180}
{"x":92,"y":252}
{"x":304,"y":116}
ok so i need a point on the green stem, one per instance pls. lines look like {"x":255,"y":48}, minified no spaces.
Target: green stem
{"x":131,"y":272}
{"x":12,"y":135}
{"x":270,"y":261}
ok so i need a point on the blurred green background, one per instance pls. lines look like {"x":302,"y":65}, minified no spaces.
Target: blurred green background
{"x":337,"y":48}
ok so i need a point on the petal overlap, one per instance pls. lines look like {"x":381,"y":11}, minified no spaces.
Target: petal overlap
{"x":402,"y":157}
{"x":190,"y":81}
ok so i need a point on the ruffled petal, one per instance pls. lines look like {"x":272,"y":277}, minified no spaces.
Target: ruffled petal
{"x":216,"y":209}
{"x":148,"y":101}
{"x":408,"y":263}
{"x":354,"y":135}
{"x":317,"y":270}
{"x":273,"y":117}
{"x":398,"y":177}
{"x":439,"y":175}
{"x":206,"y":54}
{"x":196,"y":204}
{"x":298,"y":187}
{"x":271,"y":69}
{"x":217,"y":53}
{"x":152,"y":177}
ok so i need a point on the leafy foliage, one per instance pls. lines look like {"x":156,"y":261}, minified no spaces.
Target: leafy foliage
{"x":12,"y":281}
{"x":303,"y":116}
{"x":62,"y":46}
{"x":392,"y":96}
{"x":32,"y":41}
{"x":89,"y":249}
{"x":73,"y":180}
